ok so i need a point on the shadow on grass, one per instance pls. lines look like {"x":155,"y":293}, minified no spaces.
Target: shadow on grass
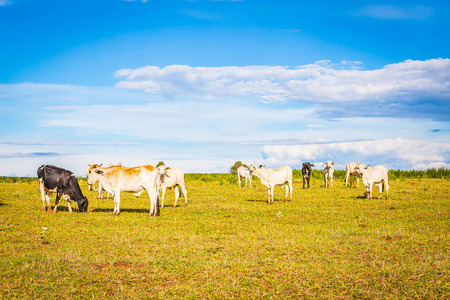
{"x":132,"y":210}
{"x":265,"y":201}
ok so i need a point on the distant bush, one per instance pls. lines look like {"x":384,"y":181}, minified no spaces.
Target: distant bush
{"x":7,"y":179}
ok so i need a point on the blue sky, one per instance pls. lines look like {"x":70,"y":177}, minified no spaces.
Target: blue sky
{"x":202,"y":84}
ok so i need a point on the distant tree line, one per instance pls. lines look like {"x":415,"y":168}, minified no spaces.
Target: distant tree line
{"x":440,"y":173}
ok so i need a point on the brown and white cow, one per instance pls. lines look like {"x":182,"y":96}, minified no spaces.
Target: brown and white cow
{"x":135,"y":180}
{"x":172,"y":178}
{"x":270,"y":178}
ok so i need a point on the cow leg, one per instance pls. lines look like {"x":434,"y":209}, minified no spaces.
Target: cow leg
{"x":304,"y":182}
{"x":177,"y":195}
{"x":346,"y":180}
{"x":154,"y":202}
{"x":380,"y":189}
{"x":185,"y":194}
{"x":116,"y":202}
{"x":100,"y":190}
{"x":69,"y":207}
{"x":331,"y":181}
{"x":307,"y":180}
{"x":369,"y":195}
{"x":357,"y":181}
{"x":43,"y":195}
{"x":250,"y":181}
{"x":58,"y":197}
{"x":268,"y":191}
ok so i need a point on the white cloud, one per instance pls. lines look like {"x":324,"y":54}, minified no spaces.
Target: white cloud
{"x":397,"y":153}
{"x":4,"y":2}
{"x":322,"y":82}
{"x":392,"y":12}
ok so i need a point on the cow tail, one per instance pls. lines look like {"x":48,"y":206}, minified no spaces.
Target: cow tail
{"x":157,"y":204}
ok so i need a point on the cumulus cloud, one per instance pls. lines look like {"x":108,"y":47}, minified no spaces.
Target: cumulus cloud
{"x":321,"y":82}
{"x":397,"y":153}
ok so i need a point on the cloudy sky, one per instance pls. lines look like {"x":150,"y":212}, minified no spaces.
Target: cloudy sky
{"x":202,"y":84}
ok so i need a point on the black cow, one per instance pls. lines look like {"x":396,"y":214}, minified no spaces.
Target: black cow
{"x":62,"y":182}
{"x":306,"y":171}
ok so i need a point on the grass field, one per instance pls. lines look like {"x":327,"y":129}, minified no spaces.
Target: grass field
{"x":229,"y":243}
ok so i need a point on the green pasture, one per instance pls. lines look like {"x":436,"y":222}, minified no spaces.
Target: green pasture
{"x":229,"y":243}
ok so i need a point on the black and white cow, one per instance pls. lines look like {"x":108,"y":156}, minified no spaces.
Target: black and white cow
{"x":306,"y":171}
{"x":62,"y":182}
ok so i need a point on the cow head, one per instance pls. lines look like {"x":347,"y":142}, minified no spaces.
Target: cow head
{"x":308,"y":166}
{"x":83,"y":204}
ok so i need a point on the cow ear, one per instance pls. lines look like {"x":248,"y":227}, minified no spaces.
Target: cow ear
{"x":332,"y":163}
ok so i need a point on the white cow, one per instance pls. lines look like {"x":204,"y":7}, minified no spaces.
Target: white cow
{"x":135,"y":180}
{"x":328,"y":171}
{"x":245,"y":172}
{"x":376,"y":175}
{"x":350,"y":173}
{"x":93,"y":177}
{"x":172,"y":177}
{"x":270,"y":178}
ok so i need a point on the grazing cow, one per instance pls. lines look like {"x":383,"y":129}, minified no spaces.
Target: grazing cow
{"x":62,"y":182}
{"x":172,"y":177}
{"x":370,"y":176}
{"x":135,"y":180}
{"x":244,"y":172}
{"x":93,"y":177}
{"x":306,"y":171}
{"x":270,"y":178}
{"x":350,"y":172}
{"x":328,"y":171}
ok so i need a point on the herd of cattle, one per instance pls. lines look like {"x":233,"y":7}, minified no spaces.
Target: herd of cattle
{"x":115,"y":179}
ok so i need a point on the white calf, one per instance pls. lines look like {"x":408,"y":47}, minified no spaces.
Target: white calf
{"x":328,"y":171}
{"x":376,"y":175}
{"x":270,"y":178}
{"x":244,"y":172}
{"x":172,"y":177}
{"x":350,"y":173}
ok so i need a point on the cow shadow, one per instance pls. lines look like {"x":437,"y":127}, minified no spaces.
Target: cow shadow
{"x":129,"y":210}
{"x":265,"y":200}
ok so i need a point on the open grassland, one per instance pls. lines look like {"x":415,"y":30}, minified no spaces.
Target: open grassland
{"x":229,"y":243}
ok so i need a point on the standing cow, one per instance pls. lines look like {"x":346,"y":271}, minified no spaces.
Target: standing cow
{"x":350,"y":173}
{"x":306,"y":172}
{"x":376,"y":175}
{"x":244,"y":172}
{"x":93,"y":177}
{"x":328,"y":171}
{"x":62,"y":182}
{"x":135,"y":180}
{"x":172,"y":178}
{"x":270,"y":178}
